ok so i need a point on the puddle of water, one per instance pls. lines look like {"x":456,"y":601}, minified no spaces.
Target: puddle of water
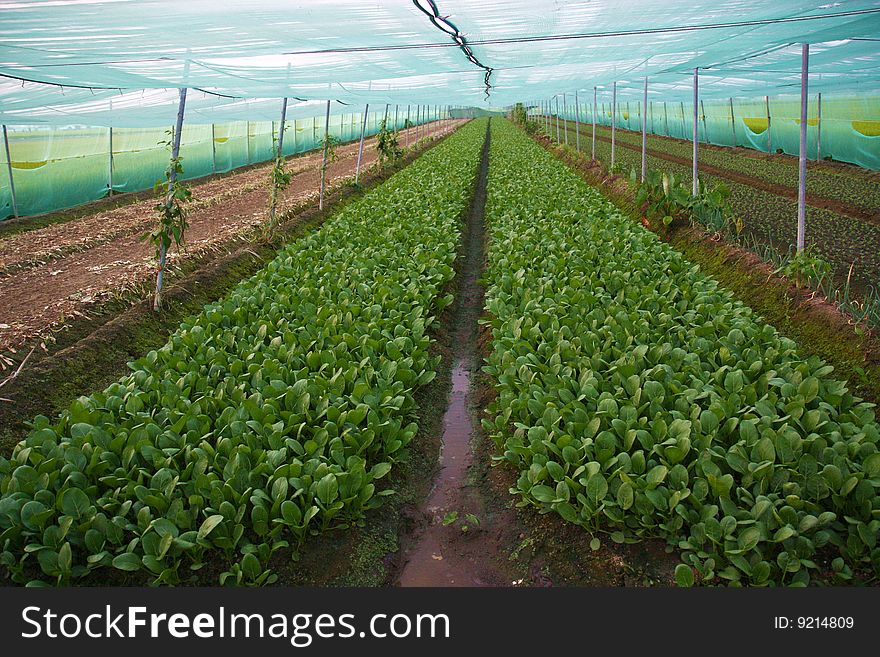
{"x":427,"y":565}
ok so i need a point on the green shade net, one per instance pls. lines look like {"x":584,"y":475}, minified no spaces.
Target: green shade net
{"x":57,"y":168}
{"x":119,"y":63}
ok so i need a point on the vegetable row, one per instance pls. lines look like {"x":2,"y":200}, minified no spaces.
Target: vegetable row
{"x":637,"y":397}
{"x":271,"y":415}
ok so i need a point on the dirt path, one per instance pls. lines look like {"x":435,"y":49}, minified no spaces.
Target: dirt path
{"x":448,"y":554}
{"x":61,"y":270}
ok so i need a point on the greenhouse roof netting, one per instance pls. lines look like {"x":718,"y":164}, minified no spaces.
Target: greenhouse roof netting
{"x":81,"y":61}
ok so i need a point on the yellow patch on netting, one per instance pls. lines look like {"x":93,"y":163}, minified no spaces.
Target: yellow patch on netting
{"x":867,"y":128}
{"x":756,"y":125}
{"x":29,"y":165}
{"x":626,"y":116}
{"x":810,"y":122}
{"x":221,"y":140}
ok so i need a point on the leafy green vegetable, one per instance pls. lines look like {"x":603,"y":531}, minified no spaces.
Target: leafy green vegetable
{"x":637,"y":397}
{"x":269,"y":416}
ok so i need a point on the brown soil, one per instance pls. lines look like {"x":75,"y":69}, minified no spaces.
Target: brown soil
{"x":62,"y":270}
{"x":758,"y":183}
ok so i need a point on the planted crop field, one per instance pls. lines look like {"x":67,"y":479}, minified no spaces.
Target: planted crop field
{"x":845,"y":231}
{"x":637,"y":398}
{"x":273,"y":414}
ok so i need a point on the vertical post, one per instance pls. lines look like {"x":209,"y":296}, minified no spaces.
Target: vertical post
{"x":175,"y":153}
{"x":645,"y":130}
{"x":396,"y":116}
{"x":324,"y":158}
{"x":357,"y":170}
{"x":595,"y":105}
{"x":696,"y":185}
{"x":278,"y":156}
{"x":248,"y":140}
{"x":407,"y":125}
{"x":565,"y":117}
{"x":651,"y":108}
{"x":705,"y":126}
{"x":213,"y":150}
{"x":558,"y":138}
{"x":665,"y":119}
{"x":577,"y":123}
{"x":802,"y":154}
{"x":110,"y":168}
{"x":281,"y":130}
{"x":732,"y":122}
{"x":769,"y":139}
{"x":613,"y":121}
{"x":9,"y":169}
{"x":819,"y":130}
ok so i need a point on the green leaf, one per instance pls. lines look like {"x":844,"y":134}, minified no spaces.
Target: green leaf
{"x":684,"y":576}
{"x":208,"y":525}
{"x":74,"y":502}
{"x":127,"y":561}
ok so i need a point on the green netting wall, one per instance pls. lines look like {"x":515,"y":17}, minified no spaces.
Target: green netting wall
{"x":55,"y":169}
{"x":850,"y":127}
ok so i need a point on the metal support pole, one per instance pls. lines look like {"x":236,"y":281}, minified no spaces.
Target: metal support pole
{"x":396,"y":116}
{"x":558,"y":138}
{"x":666,"y":118}
{"x":645,"y":131}
{"x":696,"y":185}
{"x":213,"y":150}
{"x":172,"y":177}
{"x":248,"y":140}
{"x":819,"y":130}
{"x":278,"y":156}
{"x":595,"y":105}
{"x":281,"y":129}
{"x":802,"y":153}
{"x":110,"y":168}
{"x":9,"y":168}
{"x":324,"y":158}
{"x":613,"y":121}
{"x":732,"y":122}
{"x":357,"y":170}
{"x":577,"y":123}
{"x":705,"y":127}
{"x":769,"y":139}
{"x":565,"y":117}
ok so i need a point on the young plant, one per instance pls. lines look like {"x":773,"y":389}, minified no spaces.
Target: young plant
{"x":806,"y":267}
{"x":388,"y":146}
{"x":711,"y":209}
{"x":172,"y":211}
{"x":662,"y":196}
{"x":279,"y":179}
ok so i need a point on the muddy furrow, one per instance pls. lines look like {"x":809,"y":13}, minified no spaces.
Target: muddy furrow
{"x":447,"y":552}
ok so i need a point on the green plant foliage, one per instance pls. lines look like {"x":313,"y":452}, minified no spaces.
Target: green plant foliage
{"x":171,"y":209}
{"x":387,"y":145}
{"x":271,"y":415}
{"x":279,"y":179}
{"x":663,"y":197}
{"x":637,"y":397}
{"x":806,"y":267}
